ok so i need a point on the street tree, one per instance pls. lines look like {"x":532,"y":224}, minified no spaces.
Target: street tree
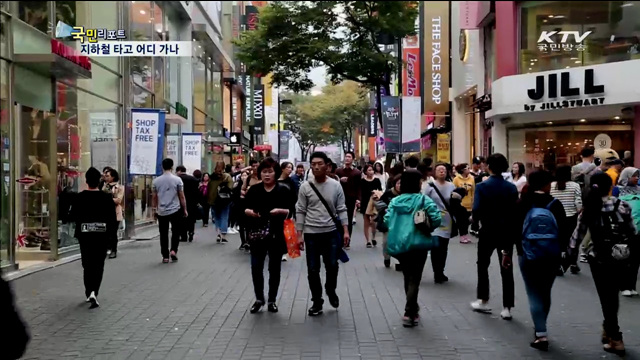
{"x":303,"y":123}
{"x":294,"y":37}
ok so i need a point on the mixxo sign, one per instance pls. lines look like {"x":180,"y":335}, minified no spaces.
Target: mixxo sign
{"x":549,"y":89}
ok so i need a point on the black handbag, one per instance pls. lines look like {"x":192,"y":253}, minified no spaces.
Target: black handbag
{"x":260,"y":231}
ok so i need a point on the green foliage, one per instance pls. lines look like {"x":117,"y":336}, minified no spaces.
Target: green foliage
{"x":293,"y":37}
{"x":331,"y":117}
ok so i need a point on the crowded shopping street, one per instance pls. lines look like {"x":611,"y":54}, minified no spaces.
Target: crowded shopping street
{"x":198,"y":308}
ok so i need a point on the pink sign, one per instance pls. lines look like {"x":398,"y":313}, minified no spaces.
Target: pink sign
{"x":469,"y":11}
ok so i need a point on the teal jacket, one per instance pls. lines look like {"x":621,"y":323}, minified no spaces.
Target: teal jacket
{"x":403,"y":234}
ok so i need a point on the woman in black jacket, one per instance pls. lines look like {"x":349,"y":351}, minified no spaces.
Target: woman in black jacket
{"x":539,"y":274}
{"x":268,"y":204}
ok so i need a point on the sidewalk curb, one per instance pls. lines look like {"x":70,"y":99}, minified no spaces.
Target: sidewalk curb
{"x":14,"y":275}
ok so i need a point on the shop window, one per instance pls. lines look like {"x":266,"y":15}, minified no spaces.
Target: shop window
{"x":199,"y":83}
{"x":611,"y":31}
{"x":66,"y":12}
{"x":141,"y":30}
{"x":4,"y":36}
{"x":35,"y":14}
{"x":101,"y":15}
{"x":29,"y":40}
{"x":102,"y":82}
{"x":199,"y":121}
{"x":546,"y":148}
{"x":5,"y":166}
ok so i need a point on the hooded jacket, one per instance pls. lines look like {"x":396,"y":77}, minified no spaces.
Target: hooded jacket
{"x":403,"y":234}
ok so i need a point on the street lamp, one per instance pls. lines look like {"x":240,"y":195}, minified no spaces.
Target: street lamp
{"x":281,"y":102}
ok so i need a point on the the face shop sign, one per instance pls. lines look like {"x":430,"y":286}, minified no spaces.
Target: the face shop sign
{"x":586,"y":94}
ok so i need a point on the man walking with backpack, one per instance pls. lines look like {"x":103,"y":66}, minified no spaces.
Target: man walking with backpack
{"x":542,"y":220}
{"x":494,"y":207}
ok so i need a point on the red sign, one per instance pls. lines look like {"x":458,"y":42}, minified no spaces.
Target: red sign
{"x":262,"y":147}
{"x":70,"y":54}
{"x":74,"y":147}
{"x":411,"y":72}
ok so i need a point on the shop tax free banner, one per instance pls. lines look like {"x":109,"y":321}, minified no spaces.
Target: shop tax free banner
{"x":192,"y":151}
{"x":147,"y":141}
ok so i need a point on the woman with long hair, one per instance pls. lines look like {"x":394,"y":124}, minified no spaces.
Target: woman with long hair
{"x":204,"y":202}
{"x":607,"y":251}
{"x":268,"y":204}
{"x":219,"y":197}
{"x":379,"y":173}
{"x":113,"y":187}
{"x":368,"y":184}
{"x":242,"y":179}
{"x":569,"y":194}
{"x":517,"y":173}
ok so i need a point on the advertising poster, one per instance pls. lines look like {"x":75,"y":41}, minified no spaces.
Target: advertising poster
{"x":285,"y":136}
{"x":444,"y":148}
{"x":192,"y":151}
{"x":391,"y":123}
{"x":147,"y":142}
{"x":411,"y":71}
{"x":104,"y":140}
{"x":173,"y":148}
{"x":411,"y":123}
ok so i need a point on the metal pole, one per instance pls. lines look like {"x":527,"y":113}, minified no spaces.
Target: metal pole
{"x":279,"y":104}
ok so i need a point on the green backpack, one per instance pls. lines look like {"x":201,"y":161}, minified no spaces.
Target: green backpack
{"x":634,"y":203}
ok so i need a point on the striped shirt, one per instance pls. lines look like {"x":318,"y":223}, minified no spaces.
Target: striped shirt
{"x":570,"y":197}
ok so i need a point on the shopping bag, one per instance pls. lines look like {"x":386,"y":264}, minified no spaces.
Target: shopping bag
{"x":291,"y":236}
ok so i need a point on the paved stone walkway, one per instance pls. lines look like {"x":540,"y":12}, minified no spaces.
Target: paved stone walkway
{"x":198,"y":309}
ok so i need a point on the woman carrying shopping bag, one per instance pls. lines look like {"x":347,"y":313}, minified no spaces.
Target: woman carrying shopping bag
{"x":411,"y":217}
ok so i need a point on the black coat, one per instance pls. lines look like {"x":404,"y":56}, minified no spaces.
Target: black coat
{"x":14,"y":333}
{"x":191,"y":192}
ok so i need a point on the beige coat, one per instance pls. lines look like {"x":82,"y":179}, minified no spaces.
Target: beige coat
{"x":117,"y":191}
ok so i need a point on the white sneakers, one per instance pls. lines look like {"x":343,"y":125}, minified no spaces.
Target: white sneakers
{"x":232,"y":231}
{"x":483,"y":307}
{"x":93,"y":300}
{"x":506,"y":314}
{"x":284,"y":257}
{"x":480,"y":306}
{"x":629,"y":293}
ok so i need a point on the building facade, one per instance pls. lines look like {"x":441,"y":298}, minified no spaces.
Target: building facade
{"x":61,"y":113}
{"x":558,"y":75}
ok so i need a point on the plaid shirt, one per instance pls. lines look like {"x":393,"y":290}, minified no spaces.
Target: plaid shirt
{"x":608,"y":205}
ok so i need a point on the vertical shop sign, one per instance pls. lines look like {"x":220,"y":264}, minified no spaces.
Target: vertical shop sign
{"x":373,"y":123}
{"x":391,"y":123}
{"x":192,"y":151}
{"x":258,"y":108}
{"x":147,"y":141}
{"x":444,"y":148}
{"x":248,"y":100}
{"x":283,"y":148}
{"x":411,"y":70}
{"x":436,"y":57}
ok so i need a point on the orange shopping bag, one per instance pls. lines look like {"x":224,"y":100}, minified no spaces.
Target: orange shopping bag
{"x":291,"y":236}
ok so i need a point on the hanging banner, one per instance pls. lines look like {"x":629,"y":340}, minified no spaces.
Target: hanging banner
{"x":411,"y":72}
{"x":444,"y":148}
{"x":258,"y":107}
{"x":173,"y":148}
{"x":285,"y":137}
{"x":147,"y":142}
{"x":104,"y":140}
{"x":391,"y":123}
{"x":192,"y":152}
{"x":411,"y":123}
{"x":436,"y":58}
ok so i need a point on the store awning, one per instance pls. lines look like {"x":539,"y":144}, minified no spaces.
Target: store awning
{"x":61,"y":61}
{"x":175,"y":119}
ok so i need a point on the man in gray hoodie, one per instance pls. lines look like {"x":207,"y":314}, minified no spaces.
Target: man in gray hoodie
{"x":324,"y":233}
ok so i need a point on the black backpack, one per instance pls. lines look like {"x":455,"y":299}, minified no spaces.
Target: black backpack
{"x":613,"y":240}
{"x":224,"y":195}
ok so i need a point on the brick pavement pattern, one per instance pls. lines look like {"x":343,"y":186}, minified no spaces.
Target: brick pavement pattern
{"x":198,"y":309}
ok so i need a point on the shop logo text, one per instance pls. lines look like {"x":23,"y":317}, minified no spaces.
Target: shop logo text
{"x":548,"y":40}
{"x":589,"y":88}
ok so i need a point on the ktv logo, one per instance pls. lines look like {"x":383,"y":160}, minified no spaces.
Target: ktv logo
{"x":559,"y":40}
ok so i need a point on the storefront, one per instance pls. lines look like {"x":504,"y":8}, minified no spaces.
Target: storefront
{"x":544,"y":119}
{"x":61,"y":113}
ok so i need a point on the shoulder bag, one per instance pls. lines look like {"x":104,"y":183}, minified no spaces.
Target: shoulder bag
{"x":454,"y":226}
{"x":342,"y":255}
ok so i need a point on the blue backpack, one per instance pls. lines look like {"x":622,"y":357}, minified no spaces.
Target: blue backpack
{"x":540,"y":235}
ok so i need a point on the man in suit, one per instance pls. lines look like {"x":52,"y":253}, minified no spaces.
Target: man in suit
{"x":192,"y":195}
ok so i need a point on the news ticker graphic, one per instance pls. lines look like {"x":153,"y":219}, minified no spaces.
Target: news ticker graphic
{"x":137,"y":48}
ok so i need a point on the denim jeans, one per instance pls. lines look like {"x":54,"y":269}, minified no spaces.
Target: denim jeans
{"x":258,"y":254}
{"x":220,"y":217}
{"x":538,"y":280}
{"x":328,"y":246}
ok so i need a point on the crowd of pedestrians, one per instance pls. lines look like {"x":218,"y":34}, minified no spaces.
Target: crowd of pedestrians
{"x":589,"y":212}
